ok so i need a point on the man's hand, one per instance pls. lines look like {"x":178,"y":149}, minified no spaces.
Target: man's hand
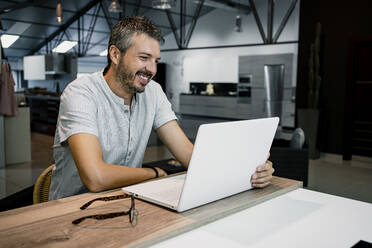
{"x":161,"y":172}
{"x":261,"y":178}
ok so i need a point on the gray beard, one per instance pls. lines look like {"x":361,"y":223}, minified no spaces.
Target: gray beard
{"x":126,"y":78}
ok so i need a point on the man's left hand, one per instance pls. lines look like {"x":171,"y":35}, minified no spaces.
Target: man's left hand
{"x":261,"y":178}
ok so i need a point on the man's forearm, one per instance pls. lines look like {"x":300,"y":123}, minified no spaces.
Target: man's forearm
{"x":111,"y":176}
{"x":97,"y":175}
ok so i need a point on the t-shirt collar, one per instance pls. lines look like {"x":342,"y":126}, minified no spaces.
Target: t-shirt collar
{"x":112,"y":94}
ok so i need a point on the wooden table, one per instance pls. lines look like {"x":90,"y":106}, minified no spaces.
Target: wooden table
{"x":49,"y":224}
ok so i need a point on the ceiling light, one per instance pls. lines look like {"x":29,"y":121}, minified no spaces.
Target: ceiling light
{"x":163,"y":4}
{"x":59,"y":12}
{"x":64,"y":46}
{"x":103,"y":53}
{"x":7,"y":40}
{"x":115,"y":7}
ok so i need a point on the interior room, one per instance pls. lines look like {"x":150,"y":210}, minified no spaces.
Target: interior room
{"x":221,"y":61}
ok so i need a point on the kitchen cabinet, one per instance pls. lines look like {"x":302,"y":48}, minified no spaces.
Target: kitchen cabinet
{"x":47,"y":66}
{"x":43,"y":113}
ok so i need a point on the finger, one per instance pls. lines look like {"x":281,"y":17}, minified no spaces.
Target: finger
{"x":268,"y":155}
{"x":265,"y":166}
{"x":262,"y":179}
{"x":263,"y":173}
{"x":261,"y":185}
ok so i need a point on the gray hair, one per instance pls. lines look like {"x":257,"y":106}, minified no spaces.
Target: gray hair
{"x":124,"y":30}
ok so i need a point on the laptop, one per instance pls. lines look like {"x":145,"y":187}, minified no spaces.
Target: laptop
{"x":224,"y":157}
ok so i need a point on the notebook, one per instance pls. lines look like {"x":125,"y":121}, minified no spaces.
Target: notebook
{"x":224,"y":157}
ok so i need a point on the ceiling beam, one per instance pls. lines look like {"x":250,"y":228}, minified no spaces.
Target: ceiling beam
{"x":77,"y":52}
{"x":174,"y":28}
{"x":21,"y":6}
{"x":182,"y":22}
{"x":57,"y":40}
{"x":47,"y":24}
{"x":98,"y":43}
{"x":91,"y":29}
{"x":107,"y":17}
{"x":50,"y":8}
{"x":27,"y":36}
{"x":270,"y":21}
{"x":64,"y":26}
{"x":38,"y":5}
{"x":284,"y":21}
{"x":258,"y":21}
{"x":193,"y":23}
{"x":19,"y":48}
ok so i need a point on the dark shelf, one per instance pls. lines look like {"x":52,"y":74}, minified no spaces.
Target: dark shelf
{"x":44,"y":113}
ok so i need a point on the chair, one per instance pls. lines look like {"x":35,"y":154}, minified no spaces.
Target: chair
{"x":41,"y":189}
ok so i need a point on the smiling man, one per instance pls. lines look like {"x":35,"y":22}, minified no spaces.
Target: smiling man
{"x":106,"y":118}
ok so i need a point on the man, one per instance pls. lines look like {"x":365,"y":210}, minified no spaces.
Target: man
{"x":106,"y":118}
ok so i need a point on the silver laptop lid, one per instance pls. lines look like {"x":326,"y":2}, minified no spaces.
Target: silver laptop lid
{"x":224,"y":158}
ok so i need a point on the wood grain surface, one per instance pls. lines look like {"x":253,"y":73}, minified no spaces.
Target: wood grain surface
{"x":49,"y":224}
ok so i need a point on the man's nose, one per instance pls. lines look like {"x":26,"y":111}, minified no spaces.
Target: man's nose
{"x":151,"y":67}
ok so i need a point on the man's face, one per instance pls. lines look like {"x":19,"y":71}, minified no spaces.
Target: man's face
{"x":137,"y":67}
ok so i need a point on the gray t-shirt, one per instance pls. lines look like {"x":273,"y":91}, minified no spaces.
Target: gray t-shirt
{"x":89,"y":106}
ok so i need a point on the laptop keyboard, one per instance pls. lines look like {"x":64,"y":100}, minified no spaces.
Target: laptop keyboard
{"x":167,"y":190}
{"x":170,"y":195}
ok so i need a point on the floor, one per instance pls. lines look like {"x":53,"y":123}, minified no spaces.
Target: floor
{"x":16,"y":177}
{"x":329,"y":174}
{"x":350,"y":179}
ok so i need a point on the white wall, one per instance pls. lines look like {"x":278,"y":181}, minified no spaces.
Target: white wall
{"x":221,"y":64}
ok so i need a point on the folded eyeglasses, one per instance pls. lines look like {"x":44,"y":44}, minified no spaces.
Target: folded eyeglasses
{"x":132,"y":212}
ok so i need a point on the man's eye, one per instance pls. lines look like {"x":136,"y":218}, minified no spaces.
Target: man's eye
{"x":143,"y":57}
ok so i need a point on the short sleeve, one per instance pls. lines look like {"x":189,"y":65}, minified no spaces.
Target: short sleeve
{"x":77,"y":112}
{"x":164,"y":112}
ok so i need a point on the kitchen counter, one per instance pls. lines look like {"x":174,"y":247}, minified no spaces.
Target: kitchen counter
{"x":233,"y":107}
{"x":43,"y":97}
{"x":228,"y":107}
{"x":190,"y":94}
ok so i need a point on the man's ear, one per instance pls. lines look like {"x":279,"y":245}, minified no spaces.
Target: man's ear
{"x":114,"y":54}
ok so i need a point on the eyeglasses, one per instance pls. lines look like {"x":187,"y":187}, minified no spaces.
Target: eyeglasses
{"x":132,"y":212}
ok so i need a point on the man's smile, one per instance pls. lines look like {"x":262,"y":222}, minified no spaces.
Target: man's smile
{"x":144,"y":77}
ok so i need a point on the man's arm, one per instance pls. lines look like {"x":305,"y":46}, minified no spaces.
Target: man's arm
{"x":176,"y":141}
{"x":98,"y":175}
